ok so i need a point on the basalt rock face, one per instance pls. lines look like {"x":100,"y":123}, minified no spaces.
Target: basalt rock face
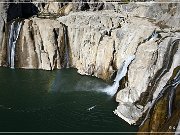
{"x":92,"y":47}
{"x":145,"y":81}
{"x":2,"y":42}
{"x":148,"y":89}
{"x":101,"y":41}
{"x":154,"y":64}
{"x":39,"y":44}
{"x":92,"y":5}
{"x":164,"y":115}
{"x":165,"y":15}
{"x":98,"y":43}
{"x":3,"y":18}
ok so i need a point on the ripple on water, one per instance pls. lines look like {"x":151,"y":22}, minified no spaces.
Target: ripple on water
{"x":35,"y":100}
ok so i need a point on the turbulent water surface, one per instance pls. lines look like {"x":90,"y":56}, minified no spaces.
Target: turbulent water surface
{"x":61,"y":100}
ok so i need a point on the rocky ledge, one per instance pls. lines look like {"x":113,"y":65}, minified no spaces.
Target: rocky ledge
{"x":100,"y":42}
{"x":140,"y":42}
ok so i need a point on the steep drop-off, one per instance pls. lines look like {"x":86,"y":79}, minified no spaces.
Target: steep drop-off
{"x":100,"y":42}
{"x":138,"y":41}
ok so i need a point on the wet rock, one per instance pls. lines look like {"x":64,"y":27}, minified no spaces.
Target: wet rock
{"x":100,"y":41}
{"x":39,"y":44}
{"x":3,"y":48}
{"x":90,"y":46}
{"x":159,"y":120}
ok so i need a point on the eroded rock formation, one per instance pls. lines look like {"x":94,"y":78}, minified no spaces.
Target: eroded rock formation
{"x":108,"y":38}
{"x":98,"y":43}
{"x":41,"y":44}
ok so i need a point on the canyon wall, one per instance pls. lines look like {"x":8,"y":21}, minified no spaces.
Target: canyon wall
{"x":98,"y":42}
{"x":39,"y":44}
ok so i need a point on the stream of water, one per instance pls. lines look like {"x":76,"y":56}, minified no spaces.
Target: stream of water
{"x":14,"y":31}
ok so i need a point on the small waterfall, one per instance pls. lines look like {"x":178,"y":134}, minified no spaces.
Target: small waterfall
{"x":169,"y":87}
{"x":175,"y":82}
{"x":111,"y":90}
{"x":13,"y":36}
{"x":66,"y":59}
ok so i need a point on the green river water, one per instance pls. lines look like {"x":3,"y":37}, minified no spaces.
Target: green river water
{"x":48,"y":101}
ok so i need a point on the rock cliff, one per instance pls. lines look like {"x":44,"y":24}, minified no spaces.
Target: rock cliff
{"x":39,"y":44}
{"x":99,"y":43}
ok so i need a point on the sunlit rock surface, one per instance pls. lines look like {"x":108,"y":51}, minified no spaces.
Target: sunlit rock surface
{"x":39,"y":44}
{"x":99,"y":42}
{"x":165,"y":113}
{"x":155,"y":46}
{"x":91,"y":41}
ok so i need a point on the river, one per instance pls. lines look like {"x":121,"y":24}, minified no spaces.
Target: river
{"x":56,"y":101}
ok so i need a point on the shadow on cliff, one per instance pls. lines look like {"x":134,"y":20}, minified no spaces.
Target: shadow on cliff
{"x":21,"y":10}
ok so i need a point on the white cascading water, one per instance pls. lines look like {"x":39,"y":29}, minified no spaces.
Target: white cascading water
{"x":13,"y":36}
{"x":111,"y":90}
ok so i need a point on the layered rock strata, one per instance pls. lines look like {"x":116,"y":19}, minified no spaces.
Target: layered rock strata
{"x":40,"y":44}
{"x":100,"y":49}
{"x":99,"y":43}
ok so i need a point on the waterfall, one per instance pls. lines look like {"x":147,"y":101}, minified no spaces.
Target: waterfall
{"x":66,"y":63}
{"x":111,"y":90}
{"x":175,"y":82}
{"x":169,"y":87}
{"x":13,"y":36}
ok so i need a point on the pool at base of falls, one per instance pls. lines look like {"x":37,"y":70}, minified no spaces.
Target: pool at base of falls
{"x":60,"y":100}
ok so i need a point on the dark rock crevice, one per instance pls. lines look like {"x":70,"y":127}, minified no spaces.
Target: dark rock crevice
{"x":56,"y":36}
{"x":21,"y":10}
{"x":171,"y":50}
{"x":164,"y":112}
{"x":64,"y":48}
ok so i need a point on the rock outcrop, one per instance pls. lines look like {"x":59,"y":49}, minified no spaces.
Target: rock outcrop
{"x":91,"y":45}
{"x":99,"y":43}
{"x":92,"y":5}
{"x":165,"y":113}
{"x":3,"y":18}
{"x":40,"y":44}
